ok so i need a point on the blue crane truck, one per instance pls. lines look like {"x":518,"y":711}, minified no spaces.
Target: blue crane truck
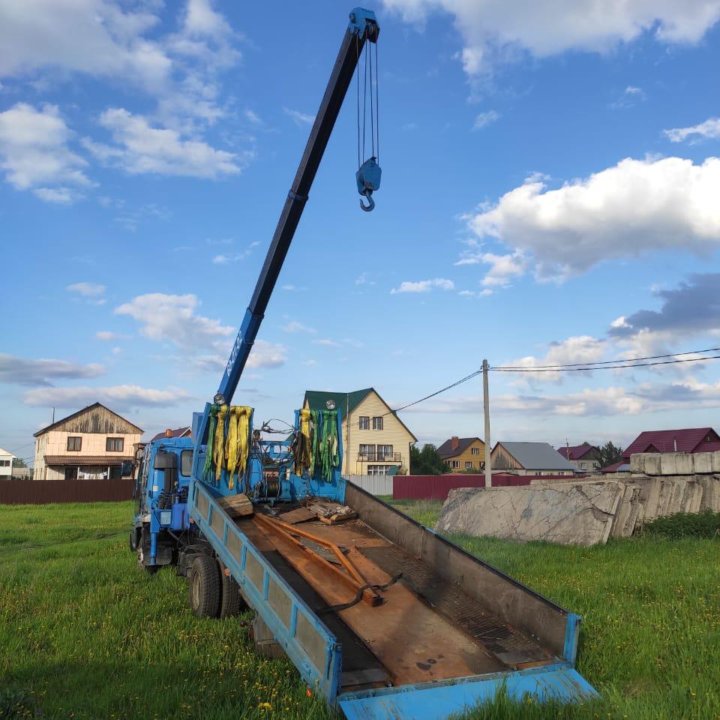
{"x":378,"y":613}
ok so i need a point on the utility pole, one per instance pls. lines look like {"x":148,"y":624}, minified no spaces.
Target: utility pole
{"x":486,"y":407}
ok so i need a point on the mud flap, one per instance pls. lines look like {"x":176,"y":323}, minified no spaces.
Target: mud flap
{"x":440,"y":700}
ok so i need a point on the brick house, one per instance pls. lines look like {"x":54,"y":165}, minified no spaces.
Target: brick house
{"x":466,"y":454}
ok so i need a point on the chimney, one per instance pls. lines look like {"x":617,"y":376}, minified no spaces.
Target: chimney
{"x":454,"y":442}
{"x":674,"y":444}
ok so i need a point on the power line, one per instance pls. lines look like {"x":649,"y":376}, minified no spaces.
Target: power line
{"x":647,"y":361}
{"x":604,"y":362}
{"x":427,"y":397}
{"x":589,"y":368}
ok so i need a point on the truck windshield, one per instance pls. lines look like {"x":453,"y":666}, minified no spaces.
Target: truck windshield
{"x":186,"y":458}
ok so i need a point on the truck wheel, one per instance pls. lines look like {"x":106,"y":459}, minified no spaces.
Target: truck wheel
{"x":231,"y":602}
{"x":204,"y":587}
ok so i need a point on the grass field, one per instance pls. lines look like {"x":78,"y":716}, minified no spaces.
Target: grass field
{"x":84,"y":633}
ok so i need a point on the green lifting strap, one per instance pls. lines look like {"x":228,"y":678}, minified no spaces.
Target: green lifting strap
{"x":329,"y":444}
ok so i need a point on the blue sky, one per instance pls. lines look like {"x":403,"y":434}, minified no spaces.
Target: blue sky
{"x":549,"y":195}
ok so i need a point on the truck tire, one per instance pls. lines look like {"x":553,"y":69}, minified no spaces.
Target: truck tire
{"x":204,"y":587}
{"x":134,"y":539}
{"x":231,"y":601}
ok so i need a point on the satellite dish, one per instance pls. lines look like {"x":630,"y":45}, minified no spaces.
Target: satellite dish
{"x":330,"y":404}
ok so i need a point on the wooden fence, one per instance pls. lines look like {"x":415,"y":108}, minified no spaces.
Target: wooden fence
{"x":39,"y":492}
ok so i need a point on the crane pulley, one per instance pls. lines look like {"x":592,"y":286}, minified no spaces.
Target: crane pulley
{"x":369,"y":173}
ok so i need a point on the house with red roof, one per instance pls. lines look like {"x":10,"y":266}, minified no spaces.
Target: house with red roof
{"x":685,"y":440}
{"x":585,"y":457}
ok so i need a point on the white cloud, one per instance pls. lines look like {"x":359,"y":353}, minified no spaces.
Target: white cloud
{"x":140,"y":148}
{"x":263,"y":355}
{"x":485,"y":118}
{"x":297,"y":327}
{"x":423,"y":286}
{"x":118,"y":397}
{"x":631,"y":96}
{"x":298,"y":117}
{"x":267,"y":355}
{"x":107,"y":335}
{"x":493,"y":30}
{"x":110,"y":39}
{"x":90,"y":36}
{"x":572,"y":350}
{"x":253,"y":117}
{"x":503,"y":269}
{"x":173,"y":318}
{"x":635,"y":207}
{"x":34,"y":153}
{"x":611,"y":401}
{"x":708,"y":129}
{"x":87,"y":289}
{"x":223,"y":259}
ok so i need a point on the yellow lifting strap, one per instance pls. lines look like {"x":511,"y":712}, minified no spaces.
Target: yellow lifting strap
{"x":237,"y":448}
{"x":218,"y":450}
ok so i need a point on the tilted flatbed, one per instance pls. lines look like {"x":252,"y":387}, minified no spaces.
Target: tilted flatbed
{"x":450,"y":629}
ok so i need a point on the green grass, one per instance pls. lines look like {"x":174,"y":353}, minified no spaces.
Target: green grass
{"x":84,"y":633}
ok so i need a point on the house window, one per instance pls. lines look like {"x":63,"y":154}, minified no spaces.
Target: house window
{"x":474,"y":451}
{"x":378,"y":469}
{"x":364,"y":422}
{"x":378,"y":423}
{"x":74,"y":444}
{"x":4,"y":463}
{"x":468,"y":465}
{"x":384,"y":452}
{"x":454,"y":463}
{"x":114,"y":444}
{"x":367,"y":452}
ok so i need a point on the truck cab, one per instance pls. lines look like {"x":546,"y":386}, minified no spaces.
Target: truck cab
{"x":161,"y":490}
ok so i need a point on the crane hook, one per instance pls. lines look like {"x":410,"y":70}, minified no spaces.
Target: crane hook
{"x":371,"y":203}
{"x":368,"y":180}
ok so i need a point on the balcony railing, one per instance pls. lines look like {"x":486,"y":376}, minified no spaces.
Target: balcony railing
{"x":379,"y":457}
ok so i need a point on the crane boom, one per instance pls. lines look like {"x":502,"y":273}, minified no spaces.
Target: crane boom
{"x":363,"y":27}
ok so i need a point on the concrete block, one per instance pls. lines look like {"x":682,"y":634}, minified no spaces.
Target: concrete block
{"x":632,"y":520}
{"x":695,"y":496}
{"x":627,"y":508}
{"x":648,"y":463}
{"x":579,"y":514}
{"x":711,"y":493}
{"x":676,"y":463}
{"x":703,"y":464}
{"x":649,"y":499}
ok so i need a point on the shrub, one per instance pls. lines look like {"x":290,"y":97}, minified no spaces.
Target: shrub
{"x":703,"y":525}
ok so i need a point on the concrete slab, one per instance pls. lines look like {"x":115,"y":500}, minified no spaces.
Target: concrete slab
{"x":624,"y":522}
{"x":711,"y":493}
{"x":578,"y":514}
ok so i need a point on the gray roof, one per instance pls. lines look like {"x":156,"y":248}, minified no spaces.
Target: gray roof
{"x":537,"y":456}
